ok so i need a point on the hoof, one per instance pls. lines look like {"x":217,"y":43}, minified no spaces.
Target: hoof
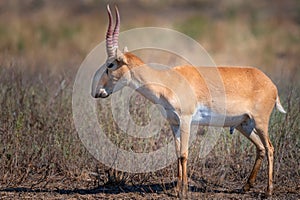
{"x":183,"y":193}
{"x":269,"y":192}
{"x":177,"y":193}
{"x":247,"y":187}
{"x":178,"y":189}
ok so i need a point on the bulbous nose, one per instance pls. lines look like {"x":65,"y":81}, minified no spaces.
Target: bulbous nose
{"x":102,"y":93}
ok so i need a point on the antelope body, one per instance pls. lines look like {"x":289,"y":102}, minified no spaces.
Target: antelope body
{"x":186,"y":97}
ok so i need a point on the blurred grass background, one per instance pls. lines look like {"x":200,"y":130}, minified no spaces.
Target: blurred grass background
{"x":42,"y":44}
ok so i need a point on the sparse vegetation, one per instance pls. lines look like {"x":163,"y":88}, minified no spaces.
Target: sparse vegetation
{"x":42,"y":44}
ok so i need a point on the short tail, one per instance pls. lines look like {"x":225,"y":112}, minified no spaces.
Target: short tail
{"x":279,"y":106}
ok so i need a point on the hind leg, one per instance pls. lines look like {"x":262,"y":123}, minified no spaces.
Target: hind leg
{"x":260,"y":153}
{"x":262,"y":130}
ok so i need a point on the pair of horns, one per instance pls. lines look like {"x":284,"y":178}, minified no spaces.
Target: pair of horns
{"x":112,"y":35}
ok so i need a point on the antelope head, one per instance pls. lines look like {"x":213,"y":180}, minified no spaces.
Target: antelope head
{"x":116,"y":68}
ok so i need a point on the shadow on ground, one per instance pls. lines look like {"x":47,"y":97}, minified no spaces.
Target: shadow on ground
{"x":166,"y":188}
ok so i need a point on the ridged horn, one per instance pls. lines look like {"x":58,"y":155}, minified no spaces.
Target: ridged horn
{"x":109,"y":35}
{"x":117,"y":28}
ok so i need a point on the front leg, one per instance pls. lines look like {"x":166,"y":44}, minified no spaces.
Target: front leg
{"x":185,"y":124}
{"x":176,"y":133}
{"x":179,"y":177}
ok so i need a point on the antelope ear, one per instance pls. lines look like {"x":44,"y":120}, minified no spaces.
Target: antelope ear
{"x":125,"y":50}
{"x":121,"y":56}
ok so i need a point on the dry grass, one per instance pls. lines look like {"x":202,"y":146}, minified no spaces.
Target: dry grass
{"x":43,"y":43}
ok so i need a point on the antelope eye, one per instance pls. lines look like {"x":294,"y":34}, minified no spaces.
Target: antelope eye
{"x":110,"y":65}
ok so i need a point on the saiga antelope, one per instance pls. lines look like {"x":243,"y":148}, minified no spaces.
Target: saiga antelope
{"x":183,"y":93}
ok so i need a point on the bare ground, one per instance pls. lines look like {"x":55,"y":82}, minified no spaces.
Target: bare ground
{"x":199,"y":188}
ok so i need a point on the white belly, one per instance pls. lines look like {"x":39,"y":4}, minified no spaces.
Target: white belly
{"x":206,"y":117}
